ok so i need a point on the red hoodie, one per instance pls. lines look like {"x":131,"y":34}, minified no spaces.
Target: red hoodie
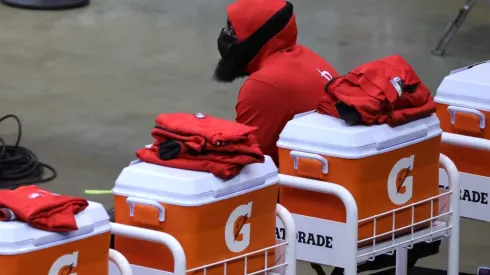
{"x":285,"y":78}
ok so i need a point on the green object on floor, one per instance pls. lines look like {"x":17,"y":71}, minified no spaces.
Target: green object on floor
{"x":98,"y":192}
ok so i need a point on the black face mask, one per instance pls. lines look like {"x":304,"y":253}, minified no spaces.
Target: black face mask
{"x":235,"y":56}
{"x":229,"y":67}
{"x":225,"y":43}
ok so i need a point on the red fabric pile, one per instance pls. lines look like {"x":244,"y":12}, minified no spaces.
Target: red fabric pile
{"x":41,"y":209}
{"x":383,"y":91}
{"x":202,"y":143}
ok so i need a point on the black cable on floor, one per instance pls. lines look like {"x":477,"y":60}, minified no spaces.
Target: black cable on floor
{"x":18,"y":165}
{"x":318,"y":269}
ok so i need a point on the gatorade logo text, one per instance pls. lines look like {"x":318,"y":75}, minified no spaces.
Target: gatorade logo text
{"x":65,"y":265}
{"x":237,"y":229}
{"x":400,"y":181}
{"x":307,"y":238}
{"x":471,"y":195}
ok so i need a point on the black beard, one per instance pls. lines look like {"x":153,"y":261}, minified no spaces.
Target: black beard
{"x":227,"y":71}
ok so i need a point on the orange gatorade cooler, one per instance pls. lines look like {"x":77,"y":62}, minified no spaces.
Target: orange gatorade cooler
{"x":384,"y":168}
{"x":463,"y":106}
{"x":25,"y":250}
{"x":213,"y":220}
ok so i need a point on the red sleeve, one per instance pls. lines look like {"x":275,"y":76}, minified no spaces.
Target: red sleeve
{"x":257,"y":106}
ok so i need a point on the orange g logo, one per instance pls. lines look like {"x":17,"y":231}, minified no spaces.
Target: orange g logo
{"x":64,"y":265}
{"x":402,"y":176}
{"x":400,"y":181}
{"x":237,"y":228}
{"x":240,"y":222}
{"x":66,"y":270}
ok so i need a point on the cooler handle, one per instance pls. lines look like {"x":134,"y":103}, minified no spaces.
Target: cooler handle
{"x":456,"y":109}
{"x":296,"y":155}
{"x":132,"y":201}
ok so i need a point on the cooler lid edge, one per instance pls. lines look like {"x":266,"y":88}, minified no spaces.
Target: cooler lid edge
{"x":191,"y":185}
{"x":23,"y":238}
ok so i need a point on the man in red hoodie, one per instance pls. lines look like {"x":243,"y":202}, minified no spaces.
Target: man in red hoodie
{"x":284,"y":78}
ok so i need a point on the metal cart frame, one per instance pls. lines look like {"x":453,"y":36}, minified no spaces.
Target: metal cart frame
{"x":346,"y":253}
{"x":288,"y":266}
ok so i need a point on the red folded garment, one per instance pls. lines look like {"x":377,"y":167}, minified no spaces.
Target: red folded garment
{"x":221,"y":170}
{"x":211,"y":129}
{"x":383,"y":91}
{"x":202,"y":143}
{"x":40,"y":208}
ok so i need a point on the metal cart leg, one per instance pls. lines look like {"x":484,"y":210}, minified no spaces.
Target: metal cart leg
{"x":454,"y":219}
{"x":401,"y":261}
{"x":453,"y":27}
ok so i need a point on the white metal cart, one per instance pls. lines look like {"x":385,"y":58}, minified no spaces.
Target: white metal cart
{"x":470,"y":209}
{"x":120,"y":262}
{"x":344,"y":250}
{"x":284,"y":265}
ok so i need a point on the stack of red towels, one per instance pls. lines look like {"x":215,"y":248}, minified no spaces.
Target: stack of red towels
{"x":383,"y":91}
{"x":41,"y":209}
{"x":202,"y":143}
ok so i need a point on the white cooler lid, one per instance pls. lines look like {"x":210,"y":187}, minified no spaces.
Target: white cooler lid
{"x":467,"y":87}
{"x":190,"y":188}
{"x":19,"y":238}
{"x":322,"y":134}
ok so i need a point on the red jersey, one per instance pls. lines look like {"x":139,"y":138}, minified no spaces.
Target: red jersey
{"x":285,"y":78}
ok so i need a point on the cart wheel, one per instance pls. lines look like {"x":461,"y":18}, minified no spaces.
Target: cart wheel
{"x":112,"y":219}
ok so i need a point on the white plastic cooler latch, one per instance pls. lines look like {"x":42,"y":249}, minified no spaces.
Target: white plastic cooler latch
{"x":239,"y":183}
{"x":386,"y":136}
{"x":85,"y":226}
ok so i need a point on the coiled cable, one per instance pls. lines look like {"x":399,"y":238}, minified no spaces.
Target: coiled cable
{"x":18,"y":165}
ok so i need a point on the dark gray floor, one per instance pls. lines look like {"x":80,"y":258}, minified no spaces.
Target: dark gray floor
{"x":88,"y":83}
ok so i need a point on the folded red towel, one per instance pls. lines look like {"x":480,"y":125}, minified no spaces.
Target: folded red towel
{"x":202,"y":143}
{"x":221,"y":170}
{"x":40,"y":208}
{"x":212,"y":129}
{"x":382,"y":91}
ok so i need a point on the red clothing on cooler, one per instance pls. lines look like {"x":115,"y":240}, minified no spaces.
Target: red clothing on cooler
{"x":221,"y":170}
{"x":204,"y":127}
{"x":202,"y":143}
{"x":41,"y":209}
{"x":383,"y":91}
{"x":285,"y":78}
